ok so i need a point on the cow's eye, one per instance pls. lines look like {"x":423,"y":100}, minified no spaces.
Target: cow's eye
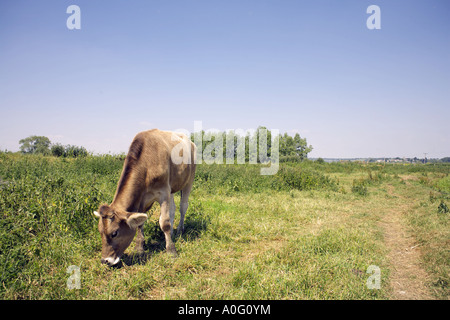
{"x":114,"y":234}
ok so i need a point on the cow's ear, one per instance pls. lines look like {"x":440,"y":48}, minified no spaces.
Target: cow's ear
{"x":136,"y":220}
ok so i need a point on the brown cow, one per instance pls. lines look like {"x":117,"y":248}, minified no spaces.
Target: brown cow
{"x":152,"y":172}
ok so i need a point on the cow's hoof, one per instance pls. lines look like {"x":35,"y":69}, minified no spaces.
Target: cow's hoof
{"x":172,"y":251}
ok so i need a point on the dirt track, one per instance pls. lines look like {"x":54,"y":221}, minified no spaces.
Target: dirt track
{"x":408,"y":278}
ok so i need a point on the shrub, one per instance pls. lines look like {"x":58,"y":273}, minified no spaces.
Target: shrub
{"x":74,"y":151}
{"x":359,"y":187}
{"x":305,"y":179}
{"x":59,"y":150}
{"x":442,"y":208}
{"x":320,"y":161}
{"x":247,"y":178}
{"x":443,"y":184}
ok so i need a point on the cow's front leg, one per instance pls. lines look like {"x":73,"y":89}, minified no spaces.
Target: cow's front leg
{"x":183,"y":207}
{"x":166,"y":226}
{"x":140,"y":239}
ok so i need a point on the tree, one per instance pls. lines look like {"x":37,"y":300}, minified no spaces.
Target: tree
{"x":57,"y":150}
{"x":301,"y":147}
{"x":294,"y":146}
{"x":74,"y":151}
{"x":320,"y":160}
{"x":35,"y":144}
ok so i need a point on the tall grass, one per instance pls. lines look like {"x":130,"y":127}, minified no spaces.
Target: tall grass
{"x":46,"y":202}
{"x":247,"y":178}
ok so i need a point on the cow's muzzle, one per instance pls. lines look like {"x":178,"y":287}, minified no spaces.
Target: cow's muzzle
{"x":111,"y":261}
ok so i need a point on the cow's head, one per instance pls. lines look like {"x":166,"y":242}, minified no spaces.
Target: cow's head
{"x":118,"y":229}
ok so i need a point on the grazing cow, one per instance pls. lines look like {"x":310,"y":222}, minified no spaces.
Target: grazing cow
{"x":152,"y":172}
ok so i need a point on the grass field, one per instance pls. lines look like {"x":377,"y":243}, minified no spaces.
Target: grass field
{"x":310,"y":232}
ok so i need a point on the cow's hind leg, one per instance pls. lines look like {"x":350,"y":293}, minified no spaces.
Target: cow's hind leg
{"x":172,"y":209}
{"x":166,"y":226}
{"x":183,"y":208}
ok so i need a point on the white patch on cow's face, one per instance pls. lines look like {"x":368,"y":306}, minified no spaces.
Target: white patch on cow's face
{"x":111,"y":261}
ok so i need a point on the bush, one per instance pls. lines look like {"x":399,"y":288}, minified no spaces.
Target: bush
{"x":291,"y":159}
{"x":74,"y":151}
{"x":360,"y":187}
{"x":443,"y":185}
{"x":247,"y":178}
{"x":320,"y":161}
{"x":59,"y":150}
{"x":442,"y":208}
{"x":305,"y":179}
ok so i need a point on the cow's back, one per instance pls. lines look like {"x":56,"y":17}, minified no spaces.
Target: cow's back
{"x":150,"y":156}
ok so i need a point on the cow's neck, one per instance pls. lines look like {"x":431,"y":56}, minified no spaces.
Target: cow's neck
{"x":126,"y":203}
{"x":128,"y":194}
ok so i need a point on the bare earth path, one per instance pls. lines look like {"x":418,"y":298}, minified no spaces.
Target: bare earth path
{"x":408,"y":278}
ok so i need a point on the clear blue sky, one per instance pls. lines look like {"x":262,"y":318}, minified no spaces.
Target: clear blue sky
{"x":311,"y":67}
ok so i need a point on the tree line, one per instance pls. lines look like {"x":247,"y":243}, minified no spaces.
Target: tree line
{"x":43,"y":145}
{"x":251,"y":146}
{"x":231,"y":144}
